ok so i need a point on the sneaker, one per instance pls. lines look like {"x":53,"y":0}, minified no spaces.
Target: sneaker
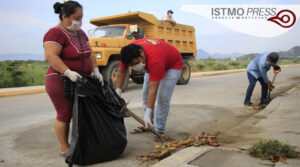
{"x":249,"y":104}
{"x":265,"y":102}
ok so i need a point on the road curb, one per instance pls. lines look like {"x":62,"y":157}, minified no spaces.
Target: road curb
{"x":183,"y":157}
{"x":21,"y":92}
{"x":187,"y":155}
{"x":202,"y":74}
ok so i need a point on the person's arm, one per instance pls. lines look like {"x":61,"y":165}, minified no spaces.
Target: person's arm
{"x":92,"y":58}
{"x":120,"y":78}
{"x":94,"y":64}
{"x":52,"y":52}
{"x":262,"y":66}
{"x":153,"y":86}
{"x":173,"y":21}
{"x":263,"y":72}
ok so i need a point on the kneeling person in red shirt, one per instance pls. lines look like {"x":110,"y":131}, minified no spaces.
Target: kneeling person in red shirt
{"x":162,"y":64}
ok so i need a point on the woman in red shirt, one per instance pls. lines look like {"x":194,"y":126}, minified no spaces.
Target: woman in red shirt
{"x":64,"y":46}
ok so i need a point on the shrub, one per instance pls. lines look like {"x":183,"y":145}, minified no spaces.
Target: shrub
{"x":234,"y":64}
{"x":200,"y":66}
{"x":22,"y":73}
{"x":221,"y":67}
{"x":272,"y":150}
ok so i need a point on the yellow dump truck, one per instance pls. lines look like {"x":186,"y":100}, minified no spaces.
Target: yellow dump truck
{"x":114,"y":32}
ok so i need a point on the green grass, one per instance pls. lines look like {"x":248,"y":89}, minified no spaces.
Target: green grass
{"x":267,"y":149}
{"x":22,"y":73}
{"x":217,"y":64}
{"x":227,"y":64}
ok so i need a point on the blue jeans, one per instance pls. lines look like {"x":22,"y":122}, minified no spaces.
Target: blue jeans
{"x":252,"y":83}
{"x":163,"y":97}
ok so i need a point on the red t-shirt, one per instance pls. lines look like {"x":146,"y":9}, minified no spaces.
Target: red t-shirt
{"x":71,"y":53}
{"x":160,"y":57}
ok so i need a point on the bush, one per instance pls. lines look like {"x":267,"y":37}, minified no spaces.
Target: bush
{"x":221,"y":67}
{"x":22,"y":73}
{"x":270,"y":149}
{"x":210,"y":63}
{"x":234,"y":64}
{"x":200,"y":66}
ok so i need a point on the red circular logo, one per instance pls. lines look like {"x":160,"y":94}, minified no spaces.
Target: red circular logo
{"x":285,"y":18}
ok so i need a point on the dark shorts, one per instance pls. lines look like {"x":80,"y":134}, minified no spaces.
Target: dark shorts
{"x":55,"y":89}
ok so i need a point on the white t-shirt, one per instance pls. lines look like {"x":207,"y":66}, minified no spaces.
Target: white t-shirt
{"x":167,"y":18}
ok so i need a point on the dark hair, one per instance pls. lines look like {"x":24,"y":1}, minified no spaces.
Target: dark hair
{"x":66,"y":8}
{"x":170,"y":11}
{"x":130,"y":52}
{"x":273,"y":57}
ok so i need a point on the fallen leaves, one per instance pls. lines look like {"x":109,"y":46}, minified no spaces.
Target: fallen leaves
{"x":166,"y":149}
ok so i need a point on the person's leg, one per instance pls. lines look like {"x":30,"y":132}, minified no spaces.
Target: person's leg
{"x":165,"y":91}
{"x":62,"y":133}
{"x":145,"y":94}
{"x":252,"y":83}
{"x":264,"y":91}
{"x":55,"y":90}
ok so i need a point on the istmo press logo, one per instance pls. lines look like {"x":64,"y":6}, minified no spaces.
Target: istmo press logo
{"x":256,"y":20}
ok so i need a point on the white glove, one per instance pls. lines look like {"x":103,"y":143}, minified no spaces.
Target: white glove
{"x":98,"y":75}
{"x":119,"y":91}
{"x":147,"y":118}
{"x":72,"y":75}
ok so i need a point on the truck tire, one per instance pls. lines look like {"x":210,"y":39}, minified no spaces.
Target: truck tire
{"x":185,"y":73}
{"x":137,"y":76}
{"x":110,"y":74}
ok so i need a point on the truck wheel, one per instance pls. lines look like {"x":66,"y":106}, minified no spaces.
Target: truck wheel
{"x":110,"y":74}
{"x":137,"y":76}
{"x":185,"y":73}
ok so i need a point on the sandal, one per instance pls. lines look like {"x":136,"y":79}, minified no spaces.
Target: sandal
{"x":139,"y":129}
{"x":63,"y":154}
{"x":163,"y":136}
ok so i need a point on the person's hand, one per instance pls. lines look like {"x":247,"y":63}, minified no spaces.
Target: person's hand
{"x":119,"y":91}
{"x":270,"y":86}
{"x":276,"y":68}
{"x":147,"y":118}
{"x":72,"y":75}
{"x":98,"y":75}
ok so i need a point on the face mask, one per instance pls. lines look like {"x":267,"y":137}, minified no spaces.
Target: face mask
{"x":139,"y":67}
{"x":75,"y":26}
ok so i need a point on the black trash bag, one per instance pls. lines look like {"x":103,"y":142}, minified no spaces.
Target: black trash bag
{"x":98,"y":130}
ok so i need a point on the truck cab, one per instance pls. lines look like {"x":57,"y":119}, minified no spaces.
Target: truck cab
{"x":114,"y":32}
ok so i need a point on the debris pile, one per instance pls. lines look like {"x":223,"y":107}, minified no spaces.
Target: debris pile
{"x":166,"y":149}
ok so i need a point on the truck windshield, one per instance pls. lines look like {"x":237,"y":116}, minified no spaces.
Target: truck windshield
{"x":109,"y":32}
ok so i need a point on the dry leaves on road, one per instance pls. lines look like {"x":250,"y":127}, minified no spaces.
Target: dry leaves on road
{"x":166,"y":149}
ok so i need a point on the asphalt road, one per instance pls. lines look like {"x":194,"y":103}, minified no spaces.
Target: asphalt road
{"x":213,"y":103}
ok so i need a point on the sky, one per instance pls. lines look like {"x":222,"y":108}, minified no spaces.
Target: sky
{"x":23,"y":24}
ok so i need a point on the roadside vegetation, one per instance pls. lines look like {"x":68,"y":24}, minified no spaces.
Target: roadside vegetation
{"x":22,"y":73}
{"x":273,"y":150}
{"x":228,"y":64}
{"x":30,"y":73}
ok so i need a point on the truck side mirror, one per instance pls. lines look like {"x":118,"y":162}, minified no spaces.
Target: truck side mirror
{"x":130,"y":36}
{"x":141,"y":33}
{"x":136,"y":35}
